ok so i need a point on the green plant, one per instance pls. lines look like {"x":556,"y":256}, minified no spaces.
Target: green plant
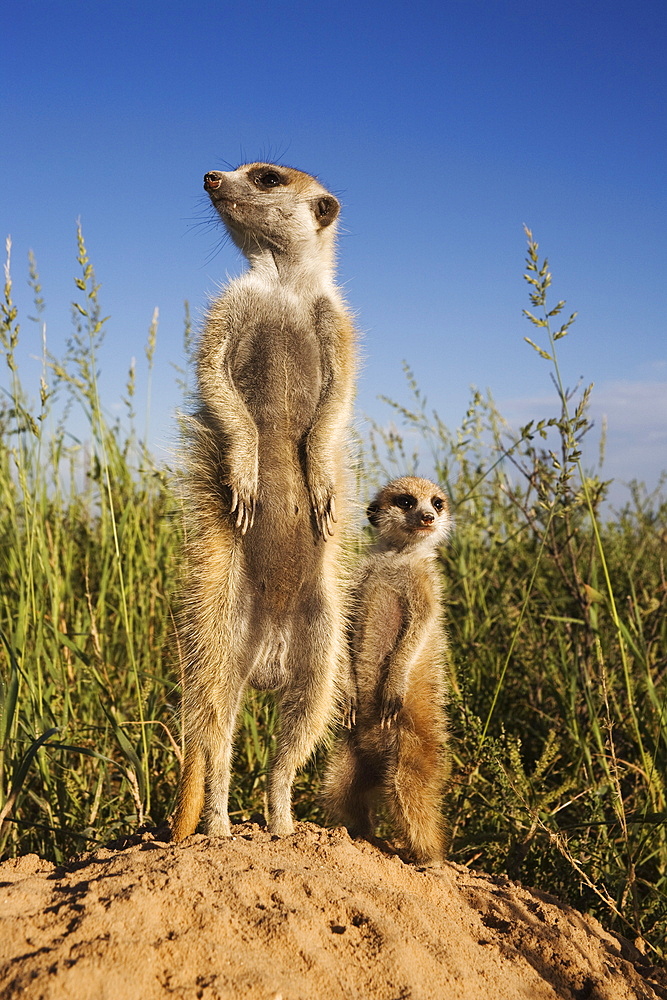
{"x":87,"y":571}
{"x":557,"y":623}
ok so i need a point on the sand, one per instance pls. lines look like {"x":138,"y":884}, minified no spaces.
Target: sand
{"x":315,"y":915}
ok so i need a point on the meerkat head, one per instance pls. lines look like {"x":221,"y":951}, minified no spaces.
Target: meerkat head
{"x":267,"y":207}
{"x":410,"y":513}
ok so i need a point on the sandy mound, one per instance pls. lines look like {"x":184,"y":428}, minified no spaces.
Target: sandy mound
{"x":315,"y":916}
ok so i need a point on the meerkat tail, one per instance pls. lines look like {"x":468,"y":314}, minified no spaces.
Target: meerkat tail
{"x":415,"y":802}
{"x":190,"y":795}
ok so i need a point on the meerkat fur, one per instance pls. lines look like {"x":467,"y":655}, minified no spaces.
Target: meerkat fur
{"x":396,"y":753}
{"x":265,"y":491}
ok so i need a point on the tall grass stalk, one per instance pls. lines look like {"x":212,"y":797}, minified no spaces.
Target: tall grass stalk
{"x":539,"y":278}
{"x":87,"y":568}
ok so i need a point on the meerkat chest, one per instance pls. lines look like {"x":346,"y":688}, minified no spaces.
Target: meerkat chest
{"x":277,"y":364}
{"x":380,"y":621}
{"x":392,"y":603}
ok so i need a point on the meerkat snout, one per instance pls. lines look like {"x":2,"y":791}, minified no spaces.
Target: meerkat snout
{"x":326,"y":210}
{"x":212,"y":180}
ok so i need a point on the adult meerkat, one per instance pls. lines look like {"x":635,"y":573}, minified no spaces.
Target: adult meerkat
{"x":264,"y":490}
{"x":397,"y":751}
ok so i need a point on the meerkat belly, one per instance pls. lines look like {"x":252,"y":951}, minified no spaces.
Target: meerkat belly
{"x":377,"y":633}
{"x":280,"y":380}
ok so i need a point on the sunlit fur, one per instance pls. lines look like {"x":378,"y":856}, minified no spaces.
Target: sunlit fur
{"x":397,"y":751}
{"x":265,"y":492}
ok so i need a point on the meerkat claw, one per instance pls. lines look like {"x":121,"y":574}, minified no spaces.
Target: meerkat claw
{"x":350,"y":714}
{"x":321,"y":520}
{"x":244,"y":510}
{"x":390,"y":712}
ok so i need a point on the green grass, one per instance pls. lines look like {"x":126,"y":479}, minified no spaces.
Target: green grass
{"x":557,"y":623}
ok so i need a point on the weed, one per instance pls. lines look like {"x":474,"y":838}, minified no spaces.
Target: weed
{"x":557,"y":621}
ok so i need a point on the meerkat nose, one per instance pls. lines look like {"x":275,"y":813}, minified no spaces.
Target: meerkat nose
{"x":427,"y":517}
{"x":212,"y":180}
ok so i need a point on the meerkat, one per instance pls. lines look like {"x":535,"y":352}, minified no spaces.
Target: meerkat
{"x":264,"y":491}
{"x":397,"y":750}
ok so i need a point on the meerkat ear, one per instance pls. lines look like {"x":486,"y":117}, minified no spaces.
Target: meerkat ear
{"x":372,"y":512}
{"x":326,"y":209}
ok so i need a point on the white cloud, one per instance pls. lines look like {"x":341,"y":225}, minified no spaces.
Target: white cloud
{"x":633,"y":406}
{"x":635,"y":414}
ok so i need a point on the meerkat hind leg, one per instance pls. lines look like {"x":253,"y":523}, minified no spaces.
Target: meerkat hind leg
{"x":302,"y":723}
{"x":219,"y":745}
{"x":216,"y":811}
{"x":351,"y":787}
{"x":306,"y":707}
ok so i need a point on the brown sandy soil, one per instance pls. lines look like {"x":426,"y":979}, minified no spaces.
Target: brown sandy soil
{"x":314,"y":916}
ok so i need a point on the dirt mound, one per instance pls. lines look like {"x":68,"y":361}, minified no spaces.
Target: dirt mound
{"x":314,"y":916}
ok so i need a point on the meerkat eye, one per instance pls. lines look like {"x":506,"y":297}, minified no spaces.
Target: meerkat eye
{"x":438,"y":504}
{"x":268,"y":179}
{"x":404,"y":501}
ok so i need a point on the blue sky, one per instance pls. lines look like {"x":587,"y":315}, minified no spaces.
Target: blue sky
{"x":442,"y":127}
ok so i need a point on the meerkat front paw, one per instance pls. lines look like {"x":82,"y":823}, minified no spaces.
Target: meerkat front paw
{"x":392,"y":703}
{"x":323,"y":503}
{"x":243,"y":488}
{"x":243,"y":505}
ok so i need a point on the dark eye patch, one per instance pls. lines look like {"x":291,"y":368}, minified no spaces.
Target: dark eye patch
{"x":405,"y":501}
{"x":268,"y":179}
{"x":438,"y":503}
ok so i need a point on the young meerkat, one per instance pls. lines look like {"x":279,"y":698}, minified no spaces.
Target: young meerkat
{"x":264,"y":491}
{"x":397,"y":750}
